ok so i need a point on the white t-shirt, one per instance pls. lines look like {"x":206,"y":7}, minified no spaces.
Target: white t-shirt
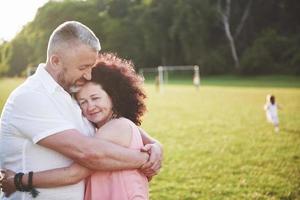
{"x":272,"y":113}
{"x":35,"y":110}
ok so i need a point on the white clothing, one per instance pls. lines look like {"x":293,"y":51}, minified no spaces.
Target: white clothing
{"x":196,"y":80}
{"x":272,"y":113}
{"x":35,"y":110}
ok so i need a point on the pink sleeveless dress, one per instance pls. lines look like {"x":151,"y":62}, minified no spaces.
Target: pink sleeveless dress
{"x":119,"y":185}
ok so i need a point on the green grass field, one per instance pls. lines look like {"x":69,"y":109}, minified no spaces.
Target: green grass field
{"x":217,"y":143}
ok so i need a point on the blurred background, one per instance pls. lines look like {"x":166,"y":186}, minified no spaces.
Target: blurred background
{"x":217,"y":142}
{"x":248,"y":37}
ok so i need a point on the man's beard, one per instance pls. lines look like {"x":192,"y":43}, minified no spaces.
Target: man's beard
{"x":63,"y":83}
{"x":74,"y":89}
{"x":70,"y":88}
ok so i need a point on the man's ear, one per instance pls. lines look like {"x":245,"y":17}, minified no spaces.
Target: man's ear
{"x":55,"y":61}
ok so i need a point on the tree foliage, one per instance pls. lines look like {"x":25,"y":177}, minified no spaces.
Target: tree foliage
{"x":171,"y":32}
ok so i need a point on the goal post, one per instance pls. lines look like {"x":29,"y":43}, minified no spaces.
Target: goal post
{"x":163,"y":75}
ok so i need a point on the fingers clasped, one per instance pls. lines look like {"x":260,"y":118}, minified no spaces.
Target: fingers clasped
{"x":154,"y":164}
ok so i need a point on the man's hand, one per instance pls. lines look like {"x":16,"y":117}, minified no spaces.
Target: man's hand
{"x":7,"y":183}
{"x":154,"y":163}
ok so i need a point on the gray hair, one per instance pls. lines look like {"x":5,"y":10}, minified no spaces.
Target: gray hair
{"x":71,"y":33}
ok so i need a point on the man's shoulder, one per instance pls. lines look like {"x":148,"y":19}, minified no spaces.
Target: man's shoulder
{"x":28,"y":95}
{"x":27,"y":92}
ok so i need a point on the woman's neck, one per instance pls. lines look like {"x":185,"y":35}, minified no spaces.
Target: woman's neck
{"x":101,"y":123}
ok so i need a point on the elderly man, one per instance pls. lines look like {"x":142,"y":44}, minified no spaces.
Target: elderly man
{"x":42,"y":126}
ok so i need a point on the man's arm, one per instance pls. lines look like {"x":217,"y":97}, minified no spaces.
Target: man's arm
{"x":36,"y":116}
{"x":94,"y":153}
{"x":74,"y":173}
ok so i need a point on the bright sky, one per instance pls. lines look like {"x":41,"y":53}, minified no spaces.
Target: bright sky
{"x":14,"y":14}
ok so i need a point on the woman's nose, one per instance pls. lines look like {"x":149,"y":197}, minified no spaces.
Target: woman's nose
{"x":91,"y":106}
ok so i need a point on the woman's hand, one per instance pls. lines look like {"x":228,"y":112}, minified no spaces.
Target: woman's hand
{"x":7,"y":183}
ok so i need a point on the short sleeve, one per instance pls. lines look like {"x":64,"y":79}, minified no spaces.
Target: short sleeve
{"x":35,"y":116}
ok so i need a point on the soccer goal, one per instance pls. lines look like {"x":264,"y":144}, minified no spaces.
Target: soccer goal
{"x":162,"y":74}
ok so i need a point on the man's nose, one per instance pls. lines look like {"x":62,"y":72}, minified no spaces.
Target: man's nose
{"x":88,"y":74}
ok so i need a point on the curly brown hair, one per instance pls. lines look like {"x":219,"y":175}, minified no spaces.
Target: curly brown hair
{"x":124,"y":86}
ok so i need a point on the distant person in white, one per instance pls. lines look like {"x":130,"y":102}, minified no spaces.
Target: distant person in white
{"x":42,"y":126}
{"x":271,"y":108}
{"x":196,"y":81}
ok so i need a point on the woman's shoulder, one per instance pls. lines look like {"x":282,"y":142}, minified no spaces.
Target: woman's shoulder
{"x":116,"y":123}
{"x":121,"y":121}
{"x":117,"y":130}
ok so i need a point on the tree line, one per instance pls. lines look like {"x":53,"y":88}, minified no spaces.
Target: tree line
{"x":221,"y":36}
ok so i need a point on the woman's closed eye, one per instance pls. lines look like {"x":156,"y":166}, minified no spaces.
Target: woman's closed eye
{"x":82,"y":102}
{"x":96,"y":98}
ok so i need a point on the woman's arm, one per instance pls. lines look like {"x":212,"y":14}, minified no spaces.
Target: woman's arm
{"x":46,"y":179}
{"x":52,"y":178}
{"x":147,"y":139}
{"x":59,"y":177}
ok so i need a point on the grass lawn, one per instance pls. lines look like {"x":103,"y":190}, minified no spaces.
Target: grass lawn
{"x":6,"y":86}
{"x":217,"y":143}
